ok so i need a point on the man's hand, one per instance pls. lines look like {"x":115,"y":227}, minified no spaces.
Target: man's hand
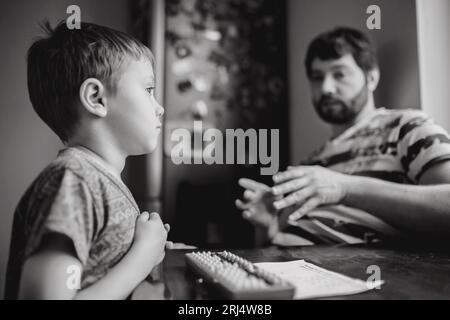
{"x":258,"y":207}
{"x":309,"y":187}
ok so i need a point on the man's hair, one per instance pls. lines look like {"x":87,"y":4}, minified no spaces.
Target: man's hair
{"x":61,"y":61}
{"x":339,"y":42}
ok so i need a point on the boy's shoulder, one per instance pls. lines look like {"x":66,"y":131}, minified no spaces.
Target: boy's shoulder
{"x":81,"y":164}
{"x":73,"y":161}
{"x":67,"y":171}
{"x":77,"y":176}
{"x":67,"y":163}
{"x":71,"y":169}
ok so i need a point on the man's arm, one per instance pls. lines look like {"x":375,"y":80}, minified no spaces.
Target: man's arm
{"x":419,"y":209}
{"x":53,"y":272}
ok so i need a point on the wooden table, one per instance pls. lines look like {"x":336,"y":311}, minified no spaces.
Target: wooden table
{"x":408,"y":273}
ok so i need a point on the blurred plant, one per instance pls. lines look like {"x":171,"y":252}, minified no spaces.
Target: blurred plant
{"x":246,"y":43}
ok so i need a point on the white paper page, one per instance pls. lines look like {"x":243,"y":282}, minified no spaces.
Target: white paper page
{"x":311,"y":281}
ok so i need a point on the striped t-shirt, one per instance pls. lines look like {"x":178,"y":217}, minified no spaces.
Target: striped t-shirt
{"x":80,"y":197}
{"x":392,"y":145}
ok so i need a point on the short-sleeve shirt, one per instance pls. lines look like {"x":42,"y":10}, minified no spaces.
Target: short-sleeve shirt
{"x":392,"y":145}
{"x":80,"y":197}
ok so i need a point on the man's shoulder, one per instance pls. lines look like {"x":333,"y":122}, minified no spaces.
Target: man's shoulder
{"x":414,"y":124}
{"x":384,"y":124}
{"x":403,"y":115}
{"x":399,"y":122}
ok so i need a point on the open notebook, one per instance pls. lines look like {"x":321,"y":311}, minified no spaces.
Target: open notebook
{"x":312,"y":281}
{"x":340,"y":224}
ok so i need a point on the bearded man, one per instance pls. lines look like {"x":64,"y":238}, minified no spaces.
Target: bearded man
{"x":384,"y":174}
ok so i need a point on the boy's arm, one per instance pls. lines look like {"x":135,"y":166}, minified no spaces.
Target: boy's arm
{"x":54,"y":271}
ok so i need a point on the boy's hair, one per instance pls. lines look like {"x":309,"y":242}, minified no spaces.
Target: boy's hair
{"x":339,"y":42}
{"x":62,"y":60}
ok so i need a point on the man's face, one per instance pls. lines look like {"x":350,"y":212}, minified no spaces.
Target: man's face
{"x":135,"y":115}
{"x":339,"y":89}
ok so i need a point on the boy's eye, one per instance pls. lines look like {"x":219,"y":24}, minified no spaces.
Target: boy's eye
{"x":339,"y":75}
{"x":151,"y":90}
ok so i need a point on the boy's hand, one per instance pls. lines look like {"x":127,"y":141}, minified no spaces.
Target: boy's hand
{"x":150,"y":240}
{"x":169,"y":244}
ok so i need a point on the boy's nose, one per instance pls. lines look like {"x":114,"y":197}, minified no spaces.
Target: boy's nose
{"x":159,"y":110}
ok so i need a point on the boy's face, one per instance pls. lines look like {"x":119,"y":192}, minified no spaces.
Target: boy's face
{"x":134,"y":114}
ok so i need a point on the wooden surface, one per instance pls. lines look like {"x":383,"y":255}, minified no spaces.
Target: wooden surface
{"x":408,"y":274}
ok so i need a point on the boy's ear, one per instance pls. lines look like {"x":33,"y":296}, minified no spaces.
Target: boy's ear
{"x":93,"y":98}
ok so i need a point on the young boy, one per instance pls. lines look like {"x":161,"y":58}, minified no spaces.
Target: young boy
{"x":78,"y":233}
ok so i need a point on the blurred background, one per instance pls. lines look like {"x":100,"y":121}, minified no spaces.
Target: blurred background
{"x":230,"y":64}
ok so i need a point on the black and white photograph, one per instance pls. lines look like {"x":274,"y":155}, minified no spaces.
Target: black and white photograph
{"x":242,"y":151}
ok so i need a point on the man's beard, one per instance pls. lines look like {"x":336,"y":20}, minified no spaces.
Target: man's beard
{"x":336,"y":111}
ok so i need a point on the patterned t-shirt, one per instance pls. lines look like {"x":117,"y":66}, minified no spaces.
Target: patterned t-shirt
{"x":80,"y":197}
{"x":392,"y":145}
